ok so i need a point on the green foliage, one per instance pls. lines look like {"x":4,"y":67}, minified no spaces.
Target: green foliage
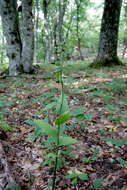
{"x":119,"y":142}
{"x":63,"y":118}
{"x":52,"y":132}
{"x":12,"y":186}
{"x":117,"y":188}
{"x":50,"y":159}
{"x":65,"y":141}
{"x":76,"y":112}
{"x":4,"y":125}
{"x":117,"y":85}
{"x":55,"y":105}
{"x":58,"y":75}
{"x":46,"y":128}
{"x":79,"y":115}
{"x":122,"y":162}
{"x":62,"y":100}
{"x":98,"y":183}
{"x":76,"y":175}
{"x":92,"y":158}
{"x":124,"y":119}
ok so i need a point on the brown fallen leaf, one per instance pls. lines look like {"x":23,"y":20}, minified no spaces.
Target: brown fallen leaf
{"x":112,"y":177}
{"x":124,"y":187}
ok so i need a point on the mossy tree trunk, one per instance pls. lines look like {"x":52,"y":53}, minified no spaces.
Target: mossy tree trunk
{"x":107,"y":52}
{"x":19,"y":42}
{"x":27,"y":36}
{"x":47,"y":32}
{"x":9,"y":17}
{"x":58,"y":30}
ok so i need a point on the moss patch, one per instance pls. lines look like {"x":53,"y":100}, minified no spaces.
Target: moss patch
{"x":106,"y":62}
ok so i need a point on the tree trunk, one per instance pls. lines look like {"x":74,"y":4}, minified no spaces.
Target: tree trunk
{"x":36,"y":38}
{"x":107,"y":52}
{"x":58,"y":32}
{"x":2,"y":44}
{"x":28,"y":36}
{"x":78,"y":4}
{"x":47,"y":33}
{"x":125,"y":32}
{"x":9,"y":16}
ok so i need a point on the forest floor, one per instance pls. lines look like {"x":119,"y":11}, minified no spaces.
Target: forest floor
{"x":100,"y":126}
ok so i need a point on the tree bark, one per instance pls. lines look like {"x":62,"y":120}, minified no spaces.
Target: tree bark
{"x":58,"y":32}
{"x":28,"y":36}
{"x":78,"y":4}
{"x":125,"y":32}
{"x":2,"y":45}
{"x":9,"y":17}
{"x":47,"y":33}
{"x":36,"y":37}
{"x":107,"y":52}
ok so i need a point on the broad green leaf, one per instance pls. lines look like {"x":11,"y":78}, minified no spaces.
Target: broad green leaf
{"x":117,"y":188}
{"x":71,"y":175}
{"x":99,"y":93}
{"x":98,"y":183}
{"x":77,"y":111}
{"x":63,"y":118}
{"x":110,"y":108}
{"x":122,"y":162}
{"x":62,"y":104}
{"x":50,"y":106}
{"x":83,"y":176}
{"x":49,"y":155}
{"x":30,"y":122}
{"x":88,"y":116}
{"x":80,"y":117}
{"x":47,"y":129}
{"x":119,"y":142}
{"x":124,"y":121}
{"x":86,"y":160}
{"x":74,"y":181}
{"x":67,"y":141}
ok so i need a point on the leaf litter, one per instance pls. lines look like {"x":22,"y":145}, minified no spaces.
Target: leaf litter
{"x":104,"y":107}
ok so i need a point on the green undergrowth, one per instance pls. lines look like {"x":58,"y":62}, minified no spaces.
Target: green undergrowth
{"x":91,"y":97}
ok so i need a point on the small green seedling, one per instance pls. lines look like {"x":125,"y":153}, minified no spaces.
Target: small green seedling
{"x":92,"y":158}
{"x":75,"y":175}
{"x":122,"y":161}
{"x":98,"y":183}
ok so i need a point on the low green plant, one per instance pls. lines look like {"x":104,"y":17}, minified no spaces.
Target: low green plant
{"x":98,"y":183}
{"x":58,"y":142}
{"x":12,"y":185}
{"x":75,"y":175}
{"x":92,"y":158}
{"x":116,"y":142}
{"x":4,"y":125}
{"x":102,"y":132}
{"x":117,"y":188}
{"x":117,"y":85}
{"x":122,"y":161}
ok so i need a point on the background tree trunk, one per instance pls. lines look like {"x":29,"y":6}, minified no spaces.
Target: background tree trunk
{"x":2,"y":48}
{"x":47,"y":33}
{"x":27,"y":35}
{"x":78,"y":4}
{"x":58,"y":32}
{"x":36,"y":37}
{"x":107,"y":52}
{"x":9,"y":16}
